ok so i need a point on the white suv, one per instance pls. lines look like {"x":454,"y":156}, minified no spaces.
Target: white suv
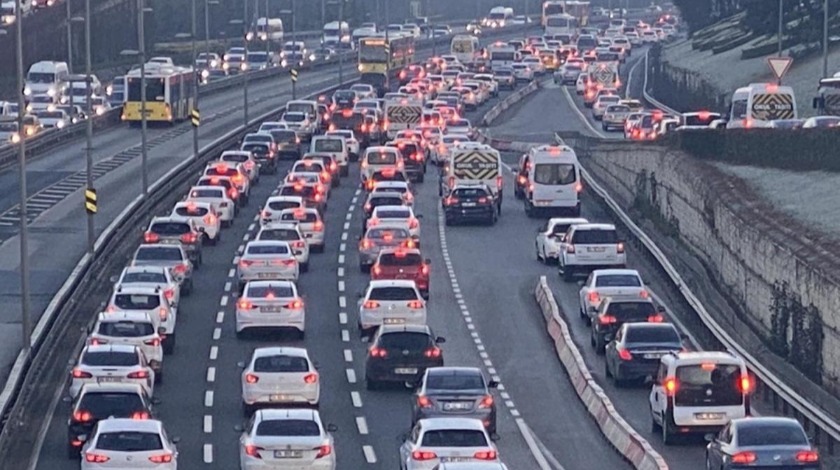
{"x":698,"y":392}
{"x":550,"y":237}
{"x":590,"y":246}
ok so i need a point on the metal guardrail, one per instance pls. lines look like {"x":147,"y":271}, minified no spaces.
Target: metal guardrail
{"x":648,"y":97}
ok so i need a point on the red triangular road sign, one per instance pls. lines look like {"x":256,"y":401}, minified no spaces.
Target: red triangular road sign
{"x":779,"y":65}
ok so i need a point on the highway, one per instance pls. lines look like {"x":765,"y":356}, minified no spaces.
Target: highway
{"x":200,"y":396}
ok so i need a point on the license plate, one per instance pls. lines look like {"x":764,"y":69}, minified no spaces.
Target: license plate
{"x":596,"y":249}
{"x":288,"y":454}
{"x":456,"y":406}
{"x":169,"y":241}
{"x":405,"y":370}
{"x":107,"y":379}
{"x":652,"y":356}
{"x":469,"y":204}
{"x":709,"y":416}
{"x":393,"y":321}
{"x":265,"y":275}
{"x":455,"y":459}
{"x":271,"y":309}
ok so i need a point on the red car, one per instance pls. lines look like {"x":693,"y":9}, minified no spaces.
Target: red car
{"x":403,"y":263}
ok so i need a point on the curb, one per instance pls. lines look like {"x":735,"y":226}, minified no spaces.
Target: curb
{"x":630,"y":444}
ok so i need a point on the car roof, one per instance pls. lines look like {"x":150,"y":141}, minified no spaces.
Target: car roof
{"x":434,"y":424}
{"x":124,"y":315}
{"x":128,"y":424}
{"x":272,"y":283}
{"x":567,"y":220}
{"x":699,"y":356}
{"x":111,"y":347}
{"x":386,"y":329}
{"x":755,"y":421}
{"x":203,"y":187}
{"x":170,"y":218}
{"x":279,"y":225}
{"x":266,"y":243}
{"x":284,"y":198}
{"x":614,"y":272}
{"x":112,"y":387}
{"x":202,"y":204}
{"x":391,"y":283}
{"x":135,"y":289}
{"x":144,"y":269}
{"x":287,"y":413}
{"x":280,"y":351}
{"x":594,"y":227}
{"x":449,"y":370}
{"x":392,"y":208}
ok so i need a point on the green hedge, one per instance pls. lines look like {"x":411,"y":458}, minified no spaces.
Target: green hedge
{"x":799,"y":150}
{"x":732,"y":44}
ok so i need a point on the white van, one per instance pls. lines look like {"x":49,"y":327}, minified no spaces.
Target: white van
{"x":270,"y":29}
{"x":758,"y":104}
{"x":698,"y":392}
{"x":464,"y":47}
{"x":305,"y":106}
{"x":334,"y":145}
{"x":553,"y":180}
{"x":337,"y":35}
{"x":46,"y":77}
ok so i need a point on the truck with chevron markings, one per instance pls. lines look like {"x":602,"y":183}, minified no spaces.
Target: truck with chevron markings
{"x":402,"y":112}
{"x":473,"y":163}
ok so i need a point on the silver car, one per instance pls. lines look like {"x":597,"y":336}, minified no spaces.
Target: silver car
{"x":172,"y":257}
{"x":614,"y":117}
{"x":267,"y":259}
{"x":600,"y":105}
{"x":455,"y":391}
{"x":377,"y":238}
{"x":568,"y":74}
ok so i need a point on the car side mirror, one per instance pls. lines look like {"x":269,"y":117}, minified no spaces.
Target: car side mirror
{"x":67,"y":399}
{"x":360,"y":294}
{"x":240,"y":364}
{"x":332,"y":427}
{"x":114,"y":279}
{"x":161,"y":330}
{"x":660,"y":309}
{"x":316,"y":365}
{"x":419,"y":216}
{"x":709,"y":437}
{"x":684,"y":337}
{"x":440,"y":340}
{"x":493,"y":384}
{"x":402,"y":437}
{"x":176,"y":439}
{"x":428,"y":261}
{"x":155,"y":401}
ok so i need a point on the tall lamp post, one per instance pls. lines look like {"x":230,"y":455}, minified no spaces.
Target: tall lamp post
{"x":140,"y":54}
{"x":340,"y":4}
{"x":825,"y":39}
{"x":91,"y":230}
{"x":244,"y":69}
{"x":70,"y":48}
{"x":196,"y":74}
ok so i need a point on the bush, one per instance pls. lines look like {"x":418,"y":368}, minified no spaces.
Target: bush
{"x":759,"y":51}
{"x":733,"y":43}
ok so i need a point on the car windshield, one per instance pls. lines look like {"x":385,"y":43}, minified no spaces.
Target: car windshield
{"x":137,"y":301}
{"x":392,"y":293}
{"x":595,"y":237}
{"x":708,"y":384}
{"x":284,"y":234}
{"x":148,"y":277}
{"x":618,"y":280}
{"x":170,"y":228}
{"x":454,"y":438}
{"x":158,"y":254}
{"x":276,"y":249}
{"x":129,"y":441}
{"x":555,"y":173}
{"x":456,"y":381}
{"x":385,"y":201}
{"x":126,"y":329}
{"x":281,"y":363}
{"x":270,"y":291}
{"x":652,"y":333}
{"x":258,"y":148}
{"x":288,"y":427}
{"x":110,"y":358}
{"x":405,"y":340}
{"x":767,"y":434}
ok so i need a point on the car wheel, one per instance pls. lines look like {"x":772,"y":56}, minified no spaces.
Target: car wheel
{"x":304,"y":267}
{"x":371,"y":384}
{"x":301,"y":335}
{"x":73,"y":452}
{"x":667,"y":434}
{"x":365,"y":268}
{"x":539,"y":257}
{"x":568,"y":273}
{"x":607,"y":373}
{"x":187,"y":288}
{"x":247,"y":410}
{"x":169,"y":345}
{"x":158,"y":377}
{"x":654,"y":427}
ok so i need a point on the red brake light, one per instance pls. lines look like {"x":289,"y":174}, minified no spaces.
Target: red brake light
{"x":451,"y":200}
{"x":245,"y":263}
{"x":140,"y":415}
{"x":619,"y":248}
{"x":80,"y":374}
{"x":415,"y":304}
{"x":378,"y":352}
{"x":366,"y":244}
{"x":413,"y":223}
{"x":82,"y":417}
{"x":152,"y":342}
{"x":807,"y":456}
{"x":244,"y":304}
{"x":96,"y":458}
{"x":162,"y":458}
{"x":434,"y":352}
{"x":324,"y":451}
{"x":424,"y":270}
{"x":486,"y":402}
{"x":424,"y":402}
{"x":253,"y":451}
{"x":624,"y":354}
{"x":593,"y":297}
{"x":570,"y":248}
{"x":485,"y":455}
{"x":657,"y":318}
{"x":319,"y":226}
{"x":671,"y":385}
{"x":371,"y":304}
{"x":140,"y":374}
{"x":744,"y":457}
{"x":189,"y":238}
{"x":310,"y":378}
{"x":745,"y":383}
{"x":423,"y":455}
{"x":607,"y":319}
{"x":251,"y":378}
{"x":296,"y":304}
{"x":233,"y":193}
{"x":377,"y":270}
{"x":150,"y":237}
{"x":169,"y":294}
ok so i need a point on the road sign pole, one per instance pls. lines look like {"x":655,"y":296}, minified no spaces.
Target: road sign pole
{"x":293,"y":73}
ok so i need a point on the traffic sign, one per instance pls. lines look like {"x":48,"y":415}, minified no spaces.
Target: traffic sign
{"x":90,"y":200}
{"x":779,"y":65}
{"x":294,"y":74}
{"x":195,"y":117}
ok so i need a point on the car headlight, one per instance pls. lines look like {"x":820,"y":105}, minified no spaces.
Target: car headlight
{"x":205,"y":74}
{"x":284,"y":63}
{"x":51,"y":92}
{"x":243,"y":66}
{"x":59,"y":124}
{"x":15,"y":138}
{"x":226,"y":66}
{"x":27,"y":91}
{"x":312,"y":58}
{"x":214,"y":63}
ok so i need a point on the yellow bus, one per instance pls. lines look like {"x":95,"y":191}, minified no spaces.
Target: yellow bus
{"x":380,"y":56}
{"x":170,"y":94}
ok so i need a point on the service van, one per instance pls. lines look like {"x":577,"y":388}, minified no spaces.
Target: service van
{"x":758,"y":104}
{"x":337,"y":35}
{"x":335,"y":146}
{"x":502,"y":55}
{"x":698,"y":392}
{"x":553,"y":180}
{"x":464,"y":47}
{"x":46,"y":77}
{"x":309,"y":107}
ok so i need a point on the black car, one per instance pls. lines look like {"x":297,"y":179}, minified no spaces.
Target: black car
{"x":470,"y":203}
{"x":263,"y":155}
{"x":415,"y":159}
{"x":612,"y":313}
{"x":385,"y":174}
{"x":343,"y":99}
{"x":635,"y":352}
{"x":402,"y":353}
{"x":377,"y":199}
{"x":96,"y":402}
{"x":322,"y":54}
{"x":353,"y":120}
{"x":460,"y":392}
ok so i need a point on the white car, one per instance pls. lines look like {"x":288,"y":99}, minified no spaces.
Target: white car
{"x":267,"y":259}
{"x":132,"y":328}
{"x":111,"y":363}
{"x":237,"y":174}
{"x":400,"y":187}
{"x":396,"y":216}
{"x":490,"y":81}
{"x":591,"y":246}
{"x":390,"y":302}
{"x":601,"y":104}
{"x":436,"y":440}
{"x":364,"y":91}
{"x":251,"y":165}
{"x":549,"y":240}
{"x":522,"y":72}
{"x":617,"y":284}
{"x":270,"y":304}
{"x":301,"y":123}
{"x":151,"y":277}
{"x":353,"y":146}
{"x":53,"y":119}
{"x":535,"y":63}
{"x":135,"y":443}
{"x":580,"y":83}
{"x":275,"y":205}
{"x":279,"y":376}
{"x":149,"y":300}
{"x":310,"y":223}
{"x":218,"y":198}
{"x":288,"y":232}
{"x":204,"y":218}
{"x":460,"y":126}
{"x":379,"y":158}
{"x":287,"y":438}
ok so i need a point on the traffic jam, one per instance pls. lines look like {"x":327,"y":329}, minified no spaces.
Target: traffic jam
{"x":393,"y":141}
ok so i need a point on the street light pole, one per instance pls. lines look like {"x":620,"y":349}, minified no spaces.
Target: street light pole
{"x":340,"y":52}
{"x":245,"y":70}
{"x":91,"y":228}
{"x":141,"y":49}
{"x":25,"y":320}
{"x":781,"y":14}
{"x":196,"y":76}
{"x":267,"y":38}
{"x":69,"y":41}
{"x":825,"y":39}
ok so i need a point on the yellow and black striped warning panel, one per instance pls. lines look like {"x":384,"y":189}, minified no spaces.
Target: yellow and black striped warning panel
{"x":195,"y":117}
{"x":832,"y":105}
{"x":90,"y":201}
{"x":405,"y":114}
{"x":294,"y":74}
{"x":475,"y":166}
{"x":772,"y":106}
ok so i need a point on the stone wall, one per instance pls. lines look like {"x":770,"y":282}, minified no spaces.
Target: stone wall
{"x":746,"y":246}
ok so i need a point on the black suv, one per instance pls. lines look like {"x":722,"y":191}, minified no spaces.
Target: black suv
{"x":472,"y":203}
{"x":414,"y":157}
{"x":402,"y":353}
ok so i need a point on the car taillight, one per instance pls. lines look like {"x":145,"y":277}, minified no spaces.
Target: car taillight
{"x":624,"y":354}
{"x":486,"y":455}
{"x":486,"y":402}
{"x":244,"y":304}
{"x":140,"y":374}
{"x":424,"y":269}
{"x":369,"y":184}
{"x":499,"y":182}
{"x":619,"y":248}
{"x":807,"y":456}
{"x":140,"y":415}
{"x":325,"y":176}
{"x":644,"y":294}
{"x":745,"y":383}
{"x":376,"y":270}
{"x":233,"y":193}
{"x":579,"y":188}
{"x":570,"y":248}
{"x":656,"y":318}
{"x":671,"y":385}
{"x":169,"y":294}
{"x":245,"y":263}
{"x":210,"y":219}
{"x":152,"y":342}
{"x":593,"y":297}
{"x":251,"y":378}
{"x":298,"y":244}
{"x":253,"y":451}
{"x":378,"y":352}
{"x":150,"y":237}
{"x":366,"y":244}
{"x":82,"y":416}
{"x":451,"y":200}
{"x":371,"y":304}
{"x":296,"y":304}
{"x":310,"y":378}
{"x":413,"y":223}
{"x":161,"y":458}
{"x":424,"y":402}
{"x":423,"y":455}
{"x":744,"y":457}
{"x":323,"y":451}
{"x":80,"y":374}
{"x":433,"y":353}
{"x":180,"y":268}
{"x":96,"y":458}
{"x":607,"y":319}
{"x":266,"y":214}
{"x":163,"y":314}
{"x":415,"y":304}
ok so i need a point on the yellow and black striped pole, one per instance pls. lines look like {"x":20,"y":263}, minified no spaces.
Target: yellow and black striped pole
{"x":195,"y":117}
{"x":90,"y":201}
{"x":294,"y":74}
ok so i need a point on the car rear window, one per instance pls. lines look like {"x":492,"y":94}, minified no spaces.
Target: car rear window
{"x":209,"y":193}
{"x":103,"y":405}
{"x":136,"y":301}
{"x":392,"y":293}
{"x":284,"y":234}
{"x":158,"y":254}
{"x":126,"y":329}
{"x":235,"y":157}
{"x":304,"y":191}
{"x":261,"y":292}
{"x":393,"y":214}
{"x":256,"y":148}
{"x":192,"y":212}
{"x":652,"y":334}
{"x":709,"y":384}
{"x":385,"y":201}
{"x":628,"y":310}
{"x":281,"y":363}
{"x":268,"y":249}
{"x":280,"y":205}
{"x":617,"y":280}
{"x":382,"y":158}
{"x":385,"y":233}
{"x":129,"y":441}
{"x":454,"y":438}
{"x":405,"y":340}
{"x":389,"y":176}
{"x":170,"y":228}
{"x":219,"y":171}
{"x":767,"y":434}
{"x":457,"y":381}
{"x":397,"y":259}
{"x":595,"y":237}
{"x":470,"y":192}
{"x":306,"y":217}
{"x":110,"y":358}
{"x":288,"y":427}
{"x":148,"y":277}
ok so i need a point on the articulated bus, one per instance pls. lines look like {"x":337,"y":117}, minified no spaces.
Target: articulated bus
{"x":170,"y":94}
{"x":380,"y":55}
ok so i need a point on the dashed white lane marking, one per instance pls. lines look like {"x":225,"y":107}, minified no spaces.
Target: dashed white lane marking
{"x":341,"y":287}
{"x":235,"y":260}
{"x":351,"y":375}
{"x":361,"y":424}
{"x":257,"y":217}
{"x":349,"y":216}
{"x":346,"y":225}
{"x":342,"y":301}
{"x":208,"y":398}
{"x":348,"y":355}
{"x":214,"y":353}
{"x":345,"y":336}
{"x":217,"y":333}
{"x":251,"y":227}
{"x":246,"y":237}
{"x":228,"y":285}
{"x":208,"y":453}
{"x":340,"y":259}
{"x":220,"y":316}
{"x":211,"y":374}
{"x":340,"y":271}
{"x":356,"y":398}
{"x":342,"y":318}
{"x":208,"y":424}
{"x":224,"y":301}
{"x":370,"y":455}
{"x":232,"y":272}
{"x":344,"y":237}
{"x":342,"y":248}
